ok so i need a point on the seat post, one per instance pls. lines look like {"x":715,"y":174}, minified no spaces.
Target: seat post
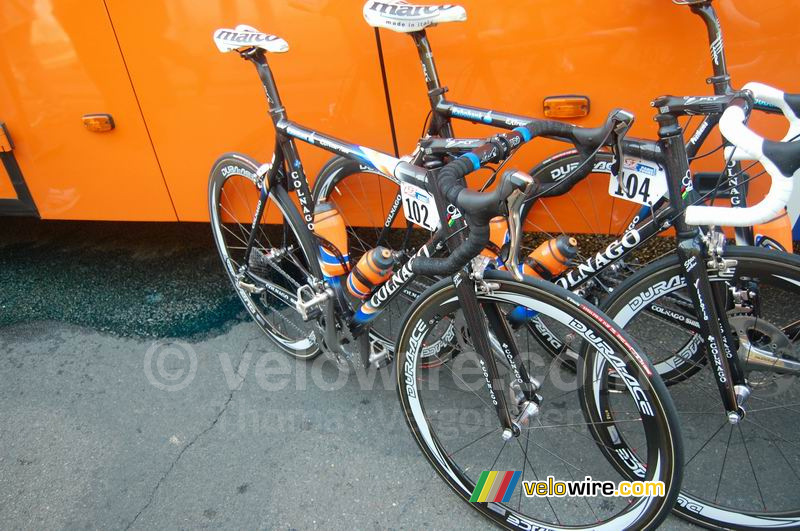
{"x":259,"y":58}
{"x":721,"y":79}
{"x":435,"y":89}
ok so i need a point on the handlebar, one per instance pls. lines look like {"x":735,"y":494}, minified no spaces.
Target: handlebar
{"x":479,"y":208}
{"x":781,"y":160}
{"x":788,"y":104}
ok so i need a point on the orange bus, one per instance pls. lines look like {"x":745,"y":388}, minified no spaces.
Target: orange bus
{"x":172,"y":104}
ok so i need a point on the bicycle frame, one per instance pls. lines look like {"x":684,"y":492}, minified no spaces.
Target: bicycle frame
{"x":286,"y":160}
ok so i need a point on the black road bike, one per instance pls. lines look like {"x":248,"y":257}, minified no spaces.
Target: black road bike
{"x":501,"y":403}
{"x":760,"y":331}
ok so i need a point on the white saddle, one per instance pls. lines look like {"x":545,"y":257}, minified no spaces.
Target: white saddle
{"x":398,"y":15}
{"x":243,"y":36}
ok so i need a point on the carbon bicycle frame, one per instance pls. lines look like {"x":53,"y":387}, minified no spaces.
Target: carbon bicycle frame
{"x":286,"y":152}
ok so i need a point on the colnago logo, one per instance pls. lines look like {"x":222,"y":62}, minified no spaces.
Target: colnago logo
{"x":297,"y":185}
{"x":594,"y":264}
{"x":672,"y":314}
{"x":485,"y":370}
{"x":733,"y":184}
{"x":409,"y":368}
{"x":714,"y":348}
{"x":404,"y":11}
{"x":398,"y":200}
{"x":397,"y":281}
{"x":510,"y":358}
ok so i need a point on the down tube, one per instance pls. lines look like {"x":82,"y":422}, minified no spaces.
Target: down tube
{"x":377,"y":302}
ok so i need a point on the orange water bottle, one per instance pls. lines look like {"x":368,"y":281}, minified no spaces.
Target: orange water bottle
{"x":329,"y":225}
{"x":372,"y":270}
{"x":775,"y":234}
{"x":551,"y":258}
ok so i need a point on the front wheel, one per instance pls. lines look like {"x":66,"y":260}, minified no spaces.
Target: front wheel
{"x":450,"y":412}
{"x":744,"y":475}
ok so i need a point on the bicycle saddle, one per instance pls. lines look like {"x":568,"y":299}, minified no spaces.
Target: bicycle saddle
{"x":403,"y":17}
{"x":243,"y":36}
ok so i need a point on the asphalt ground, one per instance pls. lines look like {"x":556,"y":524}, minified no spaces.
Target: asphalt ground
{"x":136,"y":394}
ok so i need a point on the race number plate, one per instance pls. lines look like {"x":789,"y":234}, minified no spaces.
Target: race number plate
{"x":642,"y":182}
{"x":419,"y":207}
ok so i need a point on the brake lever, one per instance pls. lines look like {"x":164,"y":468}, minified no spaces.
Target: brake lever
{"x":623,"y":120}
{"x":514,"y":204}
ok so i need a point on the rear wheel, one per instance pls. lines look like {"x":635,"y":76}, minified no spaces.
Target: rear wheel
{"x":283,"y":257}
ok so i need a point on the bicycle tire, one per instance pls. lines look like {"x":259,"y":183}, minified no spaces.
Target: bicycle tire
{"x":663,"y":454}
{"x":773,"y":271}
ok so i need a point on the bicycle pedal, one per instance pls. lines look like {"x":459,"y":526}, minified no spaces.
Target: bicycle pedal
{"x":308,"y":306}
{"x":379,"y":355}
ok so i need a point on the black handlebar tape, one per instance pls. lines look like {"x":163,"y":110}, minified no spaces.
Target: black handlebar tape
{"x":477,"y":240}
{"x":478,"y":209}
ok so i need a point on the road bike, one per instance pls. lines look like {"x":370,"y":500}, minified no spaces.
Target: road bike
{"x":501,"y":402}
{"x":759,"y":343}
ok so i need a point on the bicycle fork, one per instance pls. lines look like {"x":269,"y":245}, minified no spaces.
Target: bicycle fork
{"x":696,"y":257}
{"x":715,"y":328}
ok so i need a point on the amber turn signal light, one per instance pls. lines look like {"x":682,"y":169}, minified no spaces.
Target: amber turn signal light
{"x":98,"y":123}
{"x":570,"y":106}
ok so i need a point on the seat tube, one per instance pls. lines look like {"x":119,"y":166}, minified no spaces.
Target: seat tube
{"x":693,"y":255}
{"x":259,"y":59}
{"x":440,"y":124}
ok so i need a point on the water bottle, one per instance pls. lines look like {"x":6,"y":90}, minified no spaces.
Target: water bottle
{"x":775,"y":234}
{"x":372,"y":270}
{"x":329,"y":225}
{"x":551,"y":258}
